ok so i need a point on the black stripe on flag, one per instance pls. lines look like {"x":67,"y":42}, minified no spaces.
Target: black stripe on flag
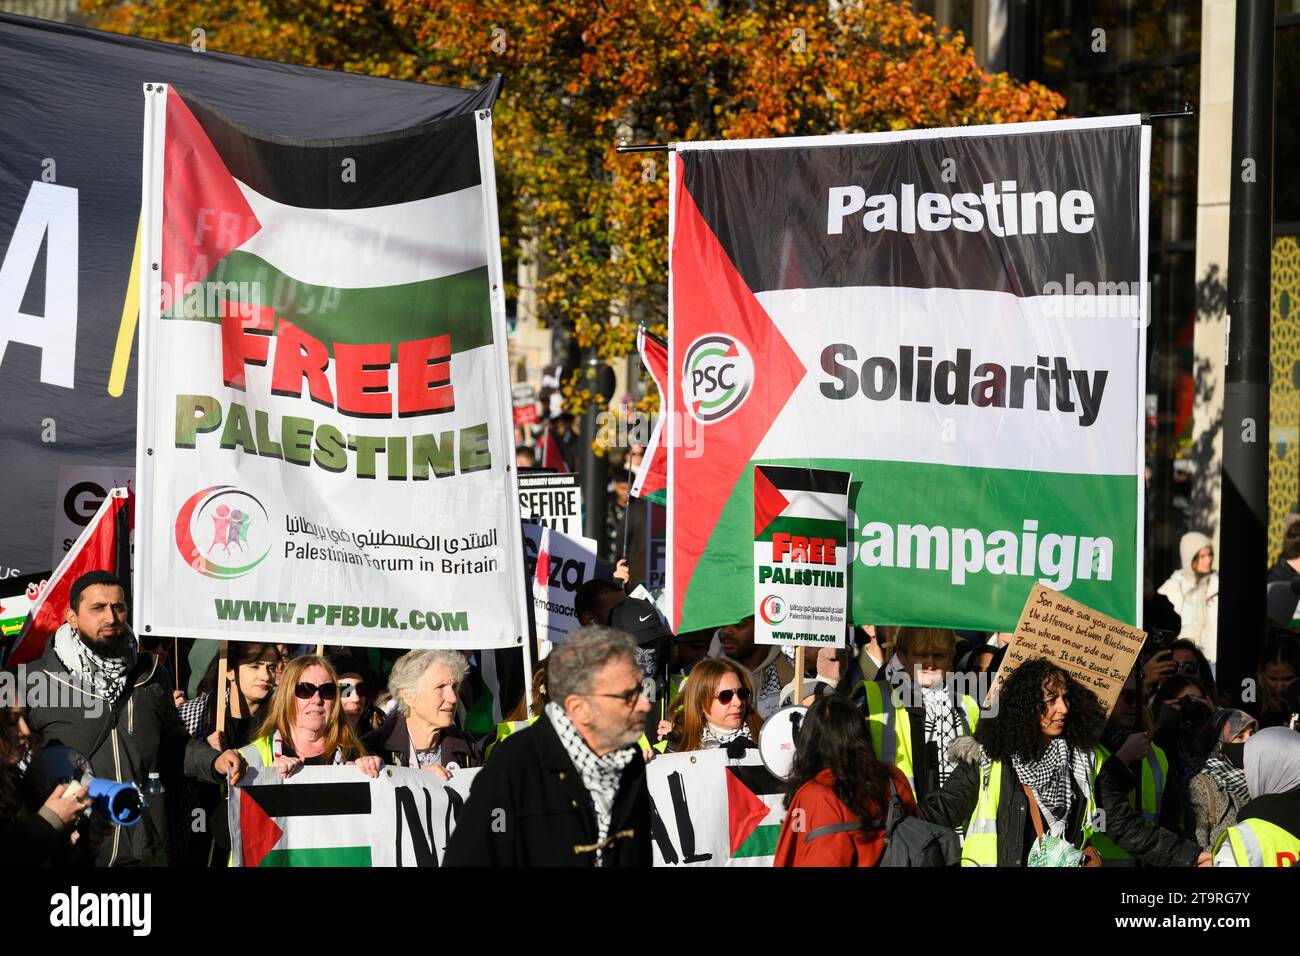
{"x":758,"y":779}
{"x":808,"y":479}
{"x":311,"y":799}
{"x":402,"y":166}
{"x":770,"y":207}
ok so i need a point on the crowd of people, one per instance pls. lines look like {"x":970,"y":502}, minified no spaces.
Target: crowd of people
{"x":1176,"y":774}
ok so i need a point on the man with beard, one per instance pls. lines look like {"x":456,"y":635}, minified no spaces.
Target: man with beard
{"x":570,"y":790}
{"x":113,"y":703}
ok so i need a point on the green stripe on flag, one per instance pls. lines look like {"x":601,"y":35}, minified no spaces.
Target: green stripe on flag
{"x":456,"y":304}
{"x":319,"y":856}
{"x":762,"y":842}
{"x":806,"y":528}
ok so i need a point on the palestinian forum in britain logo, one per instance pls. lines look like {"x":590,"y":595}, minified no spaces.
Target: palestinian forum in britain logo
{"x":716,"y":377}
{"x":223,"y":532}
{"x":773,"y":609}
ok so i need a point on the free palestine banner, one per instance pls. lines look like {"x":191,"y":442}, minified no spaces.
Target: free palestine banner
{"x":71,"y":124}
{"x":956,"y":318}
{"x":324,"y":418}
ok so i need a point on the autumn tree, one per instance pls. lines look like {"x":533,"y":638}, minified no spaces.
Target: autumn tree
{"x":581,"y":74}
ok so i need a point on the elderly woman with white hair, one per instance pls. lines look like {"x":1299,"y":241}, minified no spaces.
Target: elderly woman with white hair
{"x":421,"y":731}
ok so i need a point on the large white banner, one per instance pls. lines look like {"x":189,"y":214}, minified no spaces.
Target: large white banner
{"x":326,"y":445}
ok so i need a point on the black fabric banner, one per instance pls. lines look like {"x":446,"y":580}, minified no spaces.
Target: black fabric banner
{"x":71,"y":115}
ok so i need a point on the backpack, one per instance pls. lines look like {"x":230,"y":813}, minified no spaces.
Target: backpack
{"x":910,"y":841}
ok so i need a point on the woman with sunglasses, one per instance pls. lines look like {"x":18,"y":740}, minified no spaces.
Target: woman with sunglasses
{"x":713,"y":709}
{"x":304,"y":724}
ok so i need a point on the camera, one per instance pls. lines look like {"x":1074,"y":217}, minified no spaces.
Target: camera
{"x":1193,"y":713}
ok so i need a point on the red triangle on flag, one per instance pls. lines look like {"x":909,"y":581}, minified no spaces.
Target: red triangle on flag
{"x":258,"y":833}
{"x":543,"y":573}
{"x":744,"y":811}
{"x":769,"y":502}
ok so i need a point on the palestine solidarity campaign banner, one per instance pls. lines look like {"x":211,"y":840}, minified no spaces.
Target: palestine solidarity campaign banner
{"x":324,"y":419}
{"x":956,"y":318}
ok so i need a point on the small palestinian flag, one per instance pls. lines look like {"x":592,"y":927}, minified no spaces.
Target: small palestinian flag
{"x":800,"y":501}
{"x":755,"y":808}
{"x":301,"y":824}
{"x":652,"y":477}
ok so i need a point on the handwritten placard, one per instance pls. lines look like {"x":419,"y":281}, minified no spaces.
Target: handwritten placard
{"x":1098,"y":651}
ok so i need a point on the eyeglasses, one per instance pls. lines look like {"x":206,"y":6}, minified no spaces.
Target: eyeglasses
{"x":306,"y":691}
{"x":349,"y":687}
{"x":724,"y":696}
{"x":628,"y":697}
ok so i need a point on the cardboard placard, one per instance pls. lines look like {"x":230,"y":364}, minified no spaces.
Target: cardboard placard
{"x":1098,"y":651}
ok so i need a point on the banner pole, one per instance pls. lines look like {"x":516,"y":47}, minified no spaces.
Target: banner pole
{"x":798,"y":674}
{"x":176,"y":660}
{"x":528,"y":681}
{"x":220,"y":688}
{"x":320,"y":650}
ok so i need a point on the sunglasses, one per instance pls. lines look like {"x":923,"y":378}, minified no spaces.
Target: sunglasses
{"x":306,"y":691}
{"x":349,"y":687}
{"x":724,"y":696}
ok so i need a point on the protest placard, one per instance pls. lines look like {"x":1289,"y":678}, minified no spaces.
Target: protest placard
{"x":1097,"y":650}
{"x":524,"y":398}
{"x":325,"y":450}
{"x":800,"y":555}
{"x":337,"y":816}
{"x":557,"y":565}
{"x":552,"y":501}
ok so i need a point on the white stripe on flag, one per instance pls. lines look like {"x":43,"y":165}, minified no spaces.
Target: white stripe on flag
{"x":812,"y":504}
{"x":374,"y":247}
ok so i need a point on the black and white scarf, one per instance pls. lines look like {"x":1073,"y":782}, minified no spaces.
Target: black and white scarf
{"x":1227,"y":778}
{"x":714,"y":737}
{"x":942,"y":726}
{"x":1049,"y":778}
{"x":103,"y":676}
{"x":600,"y":775}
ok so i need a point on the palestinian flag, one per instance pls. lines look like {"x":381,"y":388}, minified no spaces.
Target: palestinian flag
{"x":755,"y":808}
{"x":799,"y":501}
{"x":104,"y":545}
{"x":301,"y":824}
{"x":652,"y":477}
{"x":329,"y":240}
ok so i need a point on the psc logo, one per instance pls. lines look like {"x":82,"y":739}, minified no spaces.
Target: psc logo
{"x":773,"y":609}
{"x":716,"y":377}
{"x":235,"y":525}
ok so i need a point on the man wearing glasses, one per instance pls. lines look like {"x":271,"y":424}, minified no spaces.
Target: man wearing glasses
{"x":570,"y":790}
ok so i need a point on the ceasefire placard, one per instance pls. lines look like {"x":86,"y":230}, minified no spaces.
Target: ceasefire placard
{"x":326,"y":447}
{"x":956,"y":318}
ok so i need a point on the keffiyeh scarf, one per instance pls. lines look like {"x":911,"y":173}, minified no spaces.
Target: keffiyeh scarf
{"x":942,"y":726}
{"x":1049,"y":778}
{"x":102,"y":676}
{"x":600,"y":775}
{"x":714,"y":737}
{"x":1227,"y":778}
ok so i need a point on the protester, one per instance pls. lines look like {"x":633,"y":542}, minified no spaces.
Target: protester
{"x":837,"y":793}
{"x":1287,"y":568}
{"x":1218,"y":793}
{"x":247,"y":685}
{"x":595,"y":599}
{"x":713,"y":709}
{"x":1140,"y":770}
{"x":120,"y":714}
{"x":824,"y":668}
{"x":1041,"y":748}
{"x":421,"y":731}
{"x":525,"y":457}
{"x":1190,"y":662}
{"x":357,"y":695}
{"x":1184,"y":730}
{"x":304,"y":724}
{"x":1268,"y":833}
{"x":769,"y":669}
{"x":1193,"y":591}
{"x":1279,"y":665}
{"x":570,"y":790}
{"x":914,"y":712}
{"x":32,"y":839}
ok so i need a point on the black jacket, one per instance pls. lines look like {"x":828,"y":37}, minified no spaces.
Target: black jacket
{"x":146,"y":736}
{"x":528,"y":807}
{"x":390,"y":741}
{"x":953,"y":806}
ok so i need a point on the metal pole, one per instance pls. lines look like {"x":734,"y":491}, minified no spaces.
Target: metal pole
{"x":592,"y":471}
{"x":1244,"y":516}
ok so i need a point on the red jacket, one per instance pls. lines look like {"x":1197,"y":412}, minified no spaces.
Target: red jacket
{"x":821,"y":807}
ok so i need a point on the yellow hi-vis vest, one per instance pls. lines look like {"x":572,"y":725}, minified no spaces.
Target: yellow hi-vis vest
{"x":505,"y":729}
{"x":1257,"y":842}
{"x":1154,"y":773}
{"x":891,"y":728}
{"x":981,"y":845}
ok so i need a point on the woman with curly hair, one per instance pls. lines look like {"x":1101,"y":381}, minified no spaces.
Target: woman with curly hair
{"x":1027,"y":787}
{"x":838,"y":792}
